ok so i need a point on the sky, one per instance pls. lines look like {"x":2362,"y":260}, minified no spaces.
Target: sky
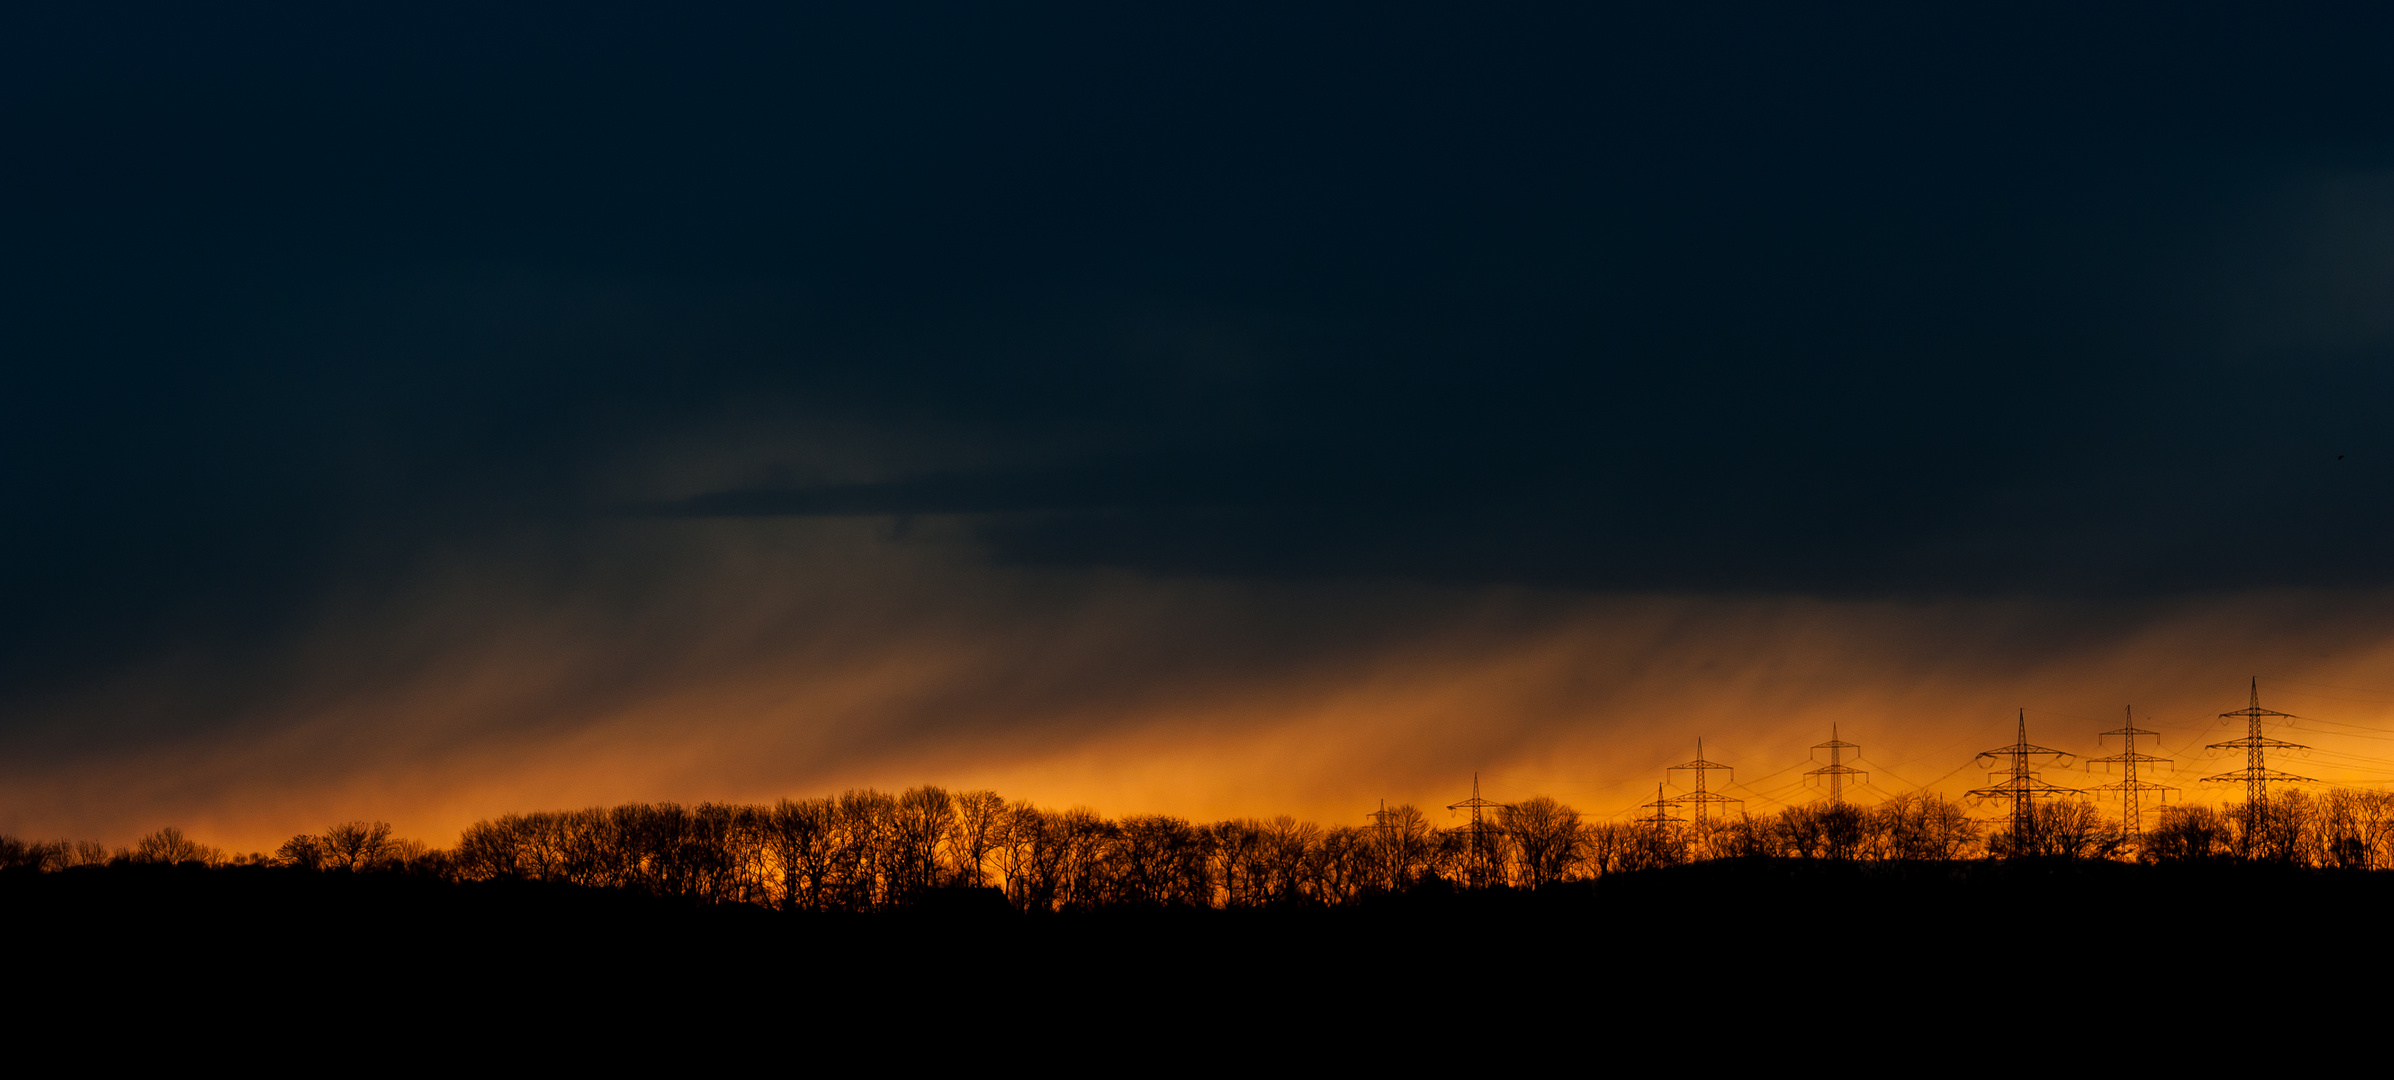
{"x":425,"y":412}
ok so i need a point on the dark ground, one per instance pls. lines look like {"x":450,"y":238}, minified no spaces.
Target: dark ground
{"x":1752,"y":960}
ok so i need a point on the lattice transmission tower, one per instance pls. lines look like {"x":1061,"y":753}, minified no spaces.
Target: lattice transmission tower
{"x":1837,"y":770}
{"x":2022,"y":787}
{"x":2256,"y":774}
{"x":1662,"y":819}
{"x":1481,"y":869}
{"x":1700,"y":798}
{"x":2131,"y":789}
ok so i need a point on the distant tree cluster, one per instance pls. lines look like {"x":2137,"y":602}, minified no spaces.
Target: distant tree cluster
{"x":359,"y":845}
{"x":870,"y":850}
{"x":2340,"y":828}
{"x":166,"y":846}
{"x":1917,"y":827}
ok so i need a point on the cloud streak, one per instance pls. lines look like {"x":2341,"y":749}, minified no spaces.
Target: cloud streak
{"x":749,"y":661}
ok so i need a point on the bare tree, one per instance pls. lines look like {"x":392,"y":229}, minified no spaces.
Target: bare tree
{"x":980,"y":818}
{"x":1343,"y":866}
{"x":1081,"y":839}
{"x":2278,"y":830}
{"x":2354,"y":828}
{"x":921,"y":823}
{"x":1545,"y":837}
{"x":798,"y":837}
{"x":16,"y":854}
{"x":1019,"y":836}
{"x":1405,"y":843}
{"x":169,"y":845}
{"x":864,"y":859}
{"x":1159,"y":861}
{"x":1037,"y":857}
{"x":306,"y":851}
{"x":356,"y":845}
{"x":1283,"y":855}
{"x":1744,"y":836}
{"x":2188,"y":834}
{"x":1918,"y":826}
{"x":1234,"y":847}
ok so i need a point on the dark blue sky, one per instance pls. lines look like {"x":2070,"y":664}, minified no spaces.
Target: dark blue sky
{"x":1741,"y":299}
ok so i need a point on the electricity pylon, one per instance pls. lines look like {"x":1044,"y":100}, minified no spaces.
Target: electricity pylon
{"x":1663,"y":819}
{"x":1701,"y":798}
{"x":1483,"y":848}
{"x":2131,"y":789}
{"x":1837,"y":770}
{"x":2023,"y":787}
{"x":2256,"y":773}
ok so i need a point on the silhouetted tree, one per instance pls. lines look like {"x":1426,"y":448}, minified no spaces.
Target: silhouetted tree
{"x":863,"y":855}
{"x":2279,"y":830}
{"x":1918,"y":826}
{"x":1545,"y":838}
{"x":169,"y":845}
{"x":1342,"y":865}
{"x":1613,"y":847}
{"x":1158,"y":861}
{"x":921,"y":820}
{"x":1285,"y":856}
{"x":2355,"y":827}
{"x":1045,"y":846}
{"x":16,"y":854}
{"x":1745,"y":836}
{"x":305,"y":851}
{"x":356,"y":845}
{"x":980,"y":819}
{"x":51,"y":855}
{"x":798,"y":838}
{"x":1020,"y":838}
{"x":1235,"y":847}
{"x":2062,"y":829}
{"x":1404,"y":845}
{"x":2188,"y":834}
{"x":1803,"y":832}
{"x":1081,"y":839}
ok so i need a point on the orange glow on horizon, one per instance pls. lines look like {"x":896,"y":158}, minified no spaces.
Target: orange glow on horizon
{"x":1131,"y":695}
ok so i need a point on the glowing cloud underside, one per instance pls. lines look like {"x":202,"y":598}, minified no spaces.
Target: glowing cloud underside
{"x":747,"y":661}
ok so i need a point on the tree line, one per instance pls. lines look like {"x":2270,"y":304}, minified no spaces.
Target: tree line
{"x":869,"y":850}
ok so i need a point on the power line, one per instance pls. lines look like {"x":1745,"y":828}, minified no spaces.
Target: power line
{"x":1662,"y":819}
{"x":2131,"y":789}
{"x":1701,"y":798}
{"x":2022,"y":787}
{"x":1837,"y":770}
{"x":2256,"y":773}
{"x":1480,"y":871}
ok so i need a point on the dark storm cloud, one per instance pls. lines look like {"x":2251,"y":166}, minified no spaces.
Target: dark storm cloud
{"x":1727,"y":300}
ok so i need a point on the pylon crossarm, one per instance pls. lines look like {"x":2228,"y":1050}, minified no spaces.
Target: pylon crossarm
{"x":2247,"y":744}
{"x":1705,"y":797}
{"x":2022,"y":783}
{"x":2010,"y":793}
{"x":2021,"y":751}
{"x":2244,"y":776}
